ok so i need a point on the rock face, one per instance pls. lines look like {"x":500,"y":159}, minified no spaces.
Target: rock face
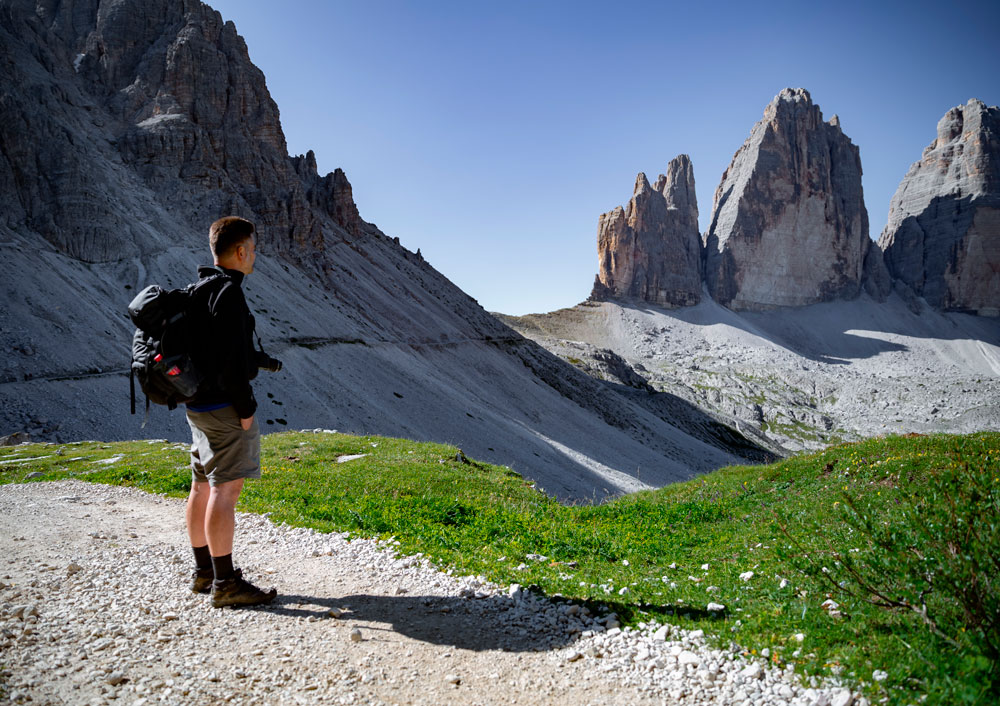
{"x":651,"y":249}
{"x":168,"y":91}
{"x":943,"y":234}
{"x":789,"y":225}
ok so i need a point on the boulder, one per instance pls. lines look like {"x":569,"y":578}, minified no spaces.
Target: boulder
{"x":943,"y":234}
{"x":650,"y":249}
{"x":789,"y":225}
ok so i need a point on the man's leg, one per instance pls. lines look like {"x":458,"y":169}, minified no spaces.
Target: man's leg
{"x":196,"y":508}
{"x":197,"y":505}
{"x":229,"y":588}
{"x":220,"y":525}
{"x":201,"y":580}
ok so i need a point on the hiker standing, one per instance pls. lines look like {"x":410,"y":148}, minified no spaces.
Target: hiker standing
{"x":225,"y":447}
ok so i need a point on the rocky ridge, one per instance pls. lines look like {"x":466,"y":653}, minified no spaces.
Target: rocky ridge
{"x":789,"y":226}
{"x":651,"y":249}
{"x":943,"y":235}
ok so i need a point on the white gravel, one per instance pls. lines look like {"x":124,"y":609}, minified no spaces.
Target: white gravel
{"x":95,"y":608}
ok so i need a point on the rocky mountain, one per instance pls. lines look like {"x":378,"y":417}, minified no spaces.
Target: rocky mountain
{"x":943,"y":234}
{"x":789,"y":225}
{"x":126,"y":128}
{"x":784,"y":349}
{"x":651,"y":249}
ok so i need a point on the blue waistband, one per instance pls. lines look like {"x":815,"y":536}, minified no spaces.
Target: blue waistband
{"x":207,"y":407}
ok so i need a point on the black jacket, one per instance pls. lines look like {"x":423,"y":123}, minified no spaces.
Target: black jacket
{"x":225,"y":350}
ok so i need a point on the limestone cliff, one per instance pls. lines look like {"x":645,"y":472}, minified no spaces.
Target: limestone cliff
{"x":789,"y":225}
{"x":943,"y":234}
{"x":651,"y":250}
{"x":167,"y":90}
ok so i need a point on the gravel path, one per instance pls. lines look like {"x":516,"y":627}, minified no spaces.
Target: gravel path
{"x":95,"y":608}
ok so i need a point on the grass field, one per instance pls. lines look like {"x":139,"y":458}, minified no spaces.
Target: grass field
{"x":912,"y":523}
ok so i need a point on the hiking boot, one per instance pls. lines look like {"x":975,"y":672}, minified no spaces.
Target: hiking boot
{"x":235,"y":591}
{"x":201,"y":580}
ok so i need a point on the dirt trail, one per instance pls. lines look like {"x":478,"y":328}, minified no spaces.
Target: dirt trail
{"x":124,"y":627}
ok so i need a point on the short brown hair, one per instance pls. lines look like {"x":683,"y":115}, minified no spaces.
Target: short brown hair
{"x":228,"y":233}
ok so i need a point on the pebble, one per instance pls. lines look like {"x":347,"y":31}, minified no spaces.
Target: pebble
{"x":842,"y":697}
{"x":688,"y":657}
{"x":356,"y":635}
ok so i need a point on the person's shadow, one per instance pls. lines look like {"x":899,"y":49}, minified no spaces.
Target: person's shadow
{"x":489,"y":623}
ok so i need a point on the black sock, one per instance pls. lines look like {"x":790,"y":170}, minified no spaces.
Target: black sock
{"x":223,"y":566}
{"x":202,"y":558}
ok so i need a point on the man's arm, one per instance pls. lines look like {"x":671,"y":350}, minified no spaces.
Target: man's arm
{"x":236,"y":355}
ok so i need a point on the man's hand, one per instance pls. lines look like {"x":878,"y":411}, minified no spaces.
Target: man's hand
{"x":246,"y":423}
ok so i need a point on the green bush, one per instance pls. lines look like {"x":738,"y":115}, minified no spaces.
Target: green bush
{"x":931,"y":549}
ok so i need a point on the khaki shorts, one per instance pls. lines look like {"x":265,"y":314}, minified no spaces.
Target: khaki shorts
{"x":221,"y":450}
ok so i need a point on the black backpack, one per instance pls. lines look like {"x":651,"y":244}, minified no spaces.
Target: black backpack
{"x":167,"y":324}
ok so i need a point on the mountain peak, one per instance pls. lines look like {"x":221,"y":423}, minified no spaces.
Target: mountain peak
{"x":789,"y":225}
{"x":943,"y":234}
{"x":651,"y":250}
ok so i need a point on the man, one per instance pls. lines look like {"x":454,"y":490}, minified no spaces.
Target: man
{"x":225,"y":448}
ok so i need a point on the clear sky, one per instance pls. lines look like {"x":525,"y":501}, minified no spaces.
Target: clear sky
{"x":491,"y":135}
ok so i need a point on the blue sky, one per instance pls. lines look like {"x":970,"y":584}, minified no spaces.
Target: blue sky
{"x":492,"y":135}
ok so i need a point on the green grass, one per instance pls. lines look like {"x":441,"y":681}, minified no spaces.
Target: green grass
{"x":795,"y":429}
{"x":483,"y":519}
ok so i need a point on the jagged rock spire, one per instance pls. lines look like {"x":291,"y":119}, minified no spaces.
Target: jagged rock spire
{"x":650,"y":250}
{"x":789,"y":225}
